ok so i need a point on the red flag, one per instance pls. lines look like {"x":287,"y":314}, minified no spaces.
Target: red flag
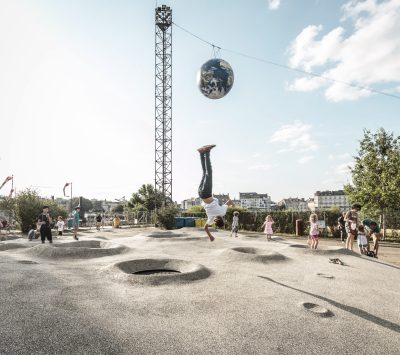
{"x":11,"y":193}
{"x":65,"y":186}
{"x":8,"y":178}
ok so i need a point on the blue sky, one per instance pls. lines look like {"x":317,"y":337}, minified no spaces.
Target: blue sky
{"x":77,"y":93}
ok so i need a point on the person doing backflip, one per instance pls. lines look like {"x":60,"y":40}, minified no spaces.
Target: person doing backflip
{"x":214,"y":211}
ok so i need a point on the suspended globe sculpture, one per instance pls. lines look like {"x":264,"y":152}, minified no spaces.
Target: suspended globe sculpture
{"x":215,"y":78}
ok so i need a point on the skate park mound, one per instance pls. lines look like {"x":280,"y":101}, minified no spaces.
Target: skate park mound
{"x":165,"y":235}
{"x":316,"y":309}
{"x":79,"y":249}
{"x":254,"y":255}
{"x":322,"y":251}
{"x":10,"y":246}
{"x":155,"y":272}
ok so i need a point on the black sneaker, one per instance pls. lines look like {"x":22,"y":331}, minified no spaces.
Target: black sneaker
{"x":76,"y":238}
{"x":42,"y":241}
{"x":51,"y":242}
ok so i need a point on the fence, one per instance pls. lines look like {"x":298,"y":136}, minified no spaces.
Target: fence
{"x":285,"y":221}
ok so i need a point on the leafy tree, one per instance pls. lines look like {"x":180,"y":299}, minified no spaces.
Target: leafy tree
{"x":376,"y":174}
{"x":97,"y":206}
{"x":85,"y":205}
{"x":196,"y":209}
{"x":146,"y":197}
{"x":118,"y":209}
{"x":165,"y":217}
{"x":8,"y":206}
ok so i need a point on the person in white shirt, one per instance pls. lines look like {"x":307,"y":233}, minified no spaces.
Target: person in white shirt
{"x":60,"y":225}
{"x":362,"y":240}
{"x":214,"y":211}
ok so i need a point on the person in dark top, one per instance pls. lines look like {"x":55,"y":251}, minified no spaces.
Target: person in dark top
{"x":98,"y":221}
{"x":44,"y":221}
{"x":342,"y":227}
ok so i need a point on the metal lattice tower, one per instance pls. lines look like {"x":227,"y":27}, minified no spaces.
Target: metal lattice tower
{"x":163,"y":103}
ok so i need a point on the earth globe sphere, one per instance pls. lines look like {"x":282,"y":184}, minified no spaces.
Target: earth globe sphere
{"x":215,"y":78}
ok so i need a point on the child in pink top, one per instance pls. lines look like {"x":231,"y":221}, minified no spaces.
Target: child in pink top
{"x":268,"y":227}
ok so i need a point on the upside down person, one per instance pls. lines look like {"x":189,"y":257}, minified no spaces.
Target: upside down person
{"x":214,"y":211}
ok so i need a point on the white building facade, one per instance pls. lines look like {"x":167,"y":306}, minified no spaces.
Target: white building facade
{"x":294,"y":204}
{"x":255,"y":201}
{"x":329,"y":199}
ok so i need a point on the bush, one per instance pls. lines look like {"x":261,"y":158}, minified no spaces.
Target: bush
{"x":165,"y":217}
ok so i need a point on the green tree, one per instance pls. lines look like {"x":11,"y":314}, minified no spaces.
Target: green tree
{"x":118,"y":209}
{"x":376,"y":173}
{"x":165,"y":217}
{"x":146,"y":197}
{"x":196,"y":209}
{"x":8,"y":206}
{"x":85,"y":205}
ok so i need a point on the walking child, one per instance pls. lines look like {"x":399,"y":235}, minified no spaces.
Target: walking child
{"x":214,"y":211}
{"x":314,"y":231}
{"x":268,"y":227}
{"x":235,"y":223}
{"x":60,"y":225}
{"x":362,"y":240}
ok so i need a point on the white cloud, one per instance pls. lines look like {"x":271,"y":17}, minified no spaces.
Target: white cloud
{"x":256,"y":155}
{"x":366,"y":57}
{"x":339,"y":156}
{"x":274,"y":4}
{"x":343,"y":169}
{"x":295,"y":137}
{"x":261,"y":167}
{"x":305,"y":159}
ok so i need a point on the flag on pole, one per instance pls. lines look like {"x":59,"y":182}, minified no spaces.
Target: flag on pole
{"x":65,"y":186}
{"x":11,"y":193}
{"x":8,"y":178}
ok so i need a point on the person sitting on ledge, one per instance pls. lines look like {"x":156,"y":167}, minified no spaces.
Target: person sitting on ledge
{"x":214,"y":211}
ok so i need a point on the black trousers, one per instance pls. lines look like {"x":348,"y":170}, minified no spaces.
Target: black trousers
{"x":205,"y":188}
{"x":45,"y":232}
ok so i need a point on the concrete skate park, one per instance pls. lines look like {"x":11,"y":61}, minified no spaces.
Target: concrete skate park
{"x":174,"y":292}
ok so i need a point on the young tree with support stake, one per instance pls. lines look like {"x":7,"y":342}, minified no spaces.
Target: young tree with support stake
{"x":376,"y":174}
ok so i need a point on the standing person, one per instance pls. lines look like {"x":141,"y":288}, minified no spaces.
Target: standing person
{"x":103,"y":220}
{"x":351,"y":219}
{"x":372,"y":230}
{"x":214,"y":211}
{"x":60,"y":225}
{"x":362,"y":240}
{"x":342,"y":227}
{"x":98,"y":221}
{"x":44,"y":221}
{"x":235,"y":223}
{"x":268,"y":227}
{"x":77,"y":219}
{"x":314,"y":231}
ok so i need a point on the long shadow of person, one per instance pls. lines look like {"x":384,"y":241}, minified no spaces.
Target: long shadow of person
{"x":353,"y":310}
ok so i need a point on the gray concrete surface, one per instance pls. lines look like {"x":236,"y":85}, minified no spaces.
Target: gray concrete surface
{"x":257,"y":297}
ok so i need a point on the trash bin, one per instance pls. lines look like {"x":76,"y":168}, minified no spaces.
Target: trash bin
{"x":299,"y":227}
{"x":190,"y":222}
{"x":179,"y":222}
{"x":199,"y":223}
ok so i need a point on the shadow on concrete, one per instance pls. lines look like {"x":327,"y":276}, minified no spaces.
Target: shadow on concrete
{"x":353,"y":310}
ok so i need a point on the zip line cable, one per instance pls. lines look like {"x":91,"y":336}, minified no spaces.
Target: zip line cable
{"x":283,"y":66}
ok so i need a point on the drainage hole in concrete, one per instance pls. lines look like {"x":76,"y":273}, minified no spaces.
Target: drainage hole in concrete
{"x":157,"y":272}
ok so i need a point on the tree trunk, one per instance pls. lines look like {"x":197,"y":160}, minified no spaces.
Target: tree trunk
{"x":383,"y":225}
